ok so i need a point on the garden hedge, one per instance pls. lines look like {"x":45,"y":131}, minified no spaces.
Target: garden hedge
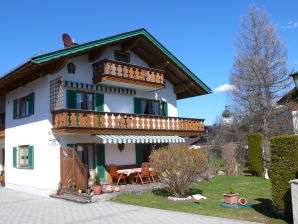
{"x":283,"y":168}
{"x":255,"y":156}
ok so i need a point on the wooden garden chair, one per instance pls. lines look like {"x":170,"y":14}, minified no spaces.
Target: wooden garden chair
{"x":144,"y":175}
{"x":115,"y":175}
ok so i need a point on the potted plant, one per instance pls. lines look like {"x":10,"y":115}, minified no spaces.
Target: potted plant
{"x":231,"y":197}
{"x":97,"y":187}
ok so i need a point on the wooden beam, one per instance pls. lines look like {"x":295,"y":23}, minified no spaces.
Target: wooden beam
{"x":161,"y":65}
{"x":126,"y":46}
{"x":181,"y":88}
{"x":55,"y":66}
{"x":94,"y":55}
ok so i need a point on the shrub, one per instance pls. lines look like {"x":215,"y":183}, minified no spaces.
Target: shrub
{"x":178,"y":166}
{"x":283,"y":168}
{"x":255,"y":159}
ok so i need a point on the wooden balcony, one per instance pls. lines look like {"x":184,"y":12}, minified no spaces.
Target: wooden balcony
{"x":127,"y":75}
{"x":75,"y":121}
{"x":2,"y":132}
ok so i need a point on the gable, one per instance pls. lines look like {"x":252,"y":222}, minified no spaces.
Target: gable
{"x":187,"y":84}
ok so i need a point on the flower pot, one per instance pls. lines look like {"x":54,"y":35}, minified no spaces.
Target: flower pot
{"x":242,"y":201}
{"x":117,"y":189}
{"x":97,"y":189}
{"x":109,"y":189}
{"x":231,"y":198}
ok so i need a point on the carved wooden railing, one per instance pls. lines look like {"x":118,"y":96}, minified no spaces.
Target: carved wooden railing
{"x":92,"y":119}
{"x":72,"y":169}
{"x":127,"y":71}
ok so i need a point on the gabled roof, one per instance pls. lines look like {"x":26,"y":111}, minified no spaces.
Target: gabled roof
{"x":179,"y":72}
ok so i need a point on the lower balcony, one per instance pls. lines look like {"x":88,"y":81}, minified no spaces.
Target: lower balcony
{"x":75,"y":121}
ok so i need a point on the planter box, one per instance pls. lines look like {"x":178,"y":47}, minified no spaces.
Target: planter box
{"x":231,"y":198}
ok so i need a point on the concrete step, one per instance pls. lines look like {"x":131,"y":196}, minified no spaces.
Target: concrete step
{"x":75,"y":197}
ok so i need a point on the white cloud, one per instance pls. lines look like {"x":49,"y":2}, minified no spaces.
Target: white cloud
{"x":291,"y":25}
{"x":224,"y":88}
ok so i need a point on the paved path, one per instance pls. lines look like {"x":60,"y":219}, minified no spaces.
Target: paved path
{"x":18,"y":207}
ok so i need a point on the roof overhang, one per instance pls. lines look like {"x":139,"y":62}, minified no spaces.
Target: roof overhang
{"x":186,"y":83}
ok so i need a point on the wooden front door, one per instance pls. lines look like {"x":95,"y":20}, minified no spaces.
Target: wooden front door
{"x":86,"y":154}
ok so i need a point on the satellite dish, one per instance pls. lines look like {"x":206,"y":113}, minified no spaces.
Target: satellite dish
{"x":68,"y":42}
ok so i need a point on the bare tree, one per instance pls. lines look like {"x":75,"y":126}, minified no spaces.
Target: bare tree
{"x":259,"y":73}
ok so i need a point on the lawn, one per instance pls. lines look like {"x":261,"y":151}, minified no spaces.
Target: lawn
{"x":255,"y":189}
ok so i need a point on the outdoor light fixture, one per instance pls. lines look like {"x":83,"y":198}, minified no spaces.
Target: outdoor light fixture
{"x":295,"y":78}
{"x":121,"y":146}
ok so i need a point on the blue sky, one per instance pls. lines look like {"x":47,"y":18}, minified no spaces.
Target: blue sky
{"x":200,"y":33}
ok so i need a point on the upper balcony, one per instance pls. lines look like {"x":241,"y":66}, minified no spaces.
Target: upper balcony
{"x":77,"y":121}
{"x":118,"y":73}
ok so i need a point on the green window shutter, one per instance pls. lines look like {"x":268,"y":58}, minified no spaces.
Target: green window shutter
{"x":99,"y":102}
{"x":31,"y":157}
{"x":137,"y":105}
{"x":164,"y":108}
{"x":14,"y":157}
{"x":100,"y":161}
{"x":139,"y":154}
{"x":15,"y":109}
{"x":71,"y":99}
{"x":31,"y":103}
{"x":70,"y":145}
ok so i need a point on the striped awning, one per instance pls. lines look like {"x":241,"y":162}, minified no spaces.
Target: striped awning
{"x":115,"y":139}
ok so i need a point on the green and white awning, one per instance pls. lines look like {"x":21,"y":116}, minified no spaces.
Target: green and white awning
{"x":117,"y":139}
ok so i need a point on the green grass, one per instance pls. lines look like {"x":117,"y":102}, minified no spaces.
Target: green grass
{"x":216,"y":161}
{"x":256,"y":189}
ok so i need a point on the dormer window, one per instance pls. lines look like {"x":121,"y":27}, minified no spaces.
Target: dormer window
{"x":71,"y":68}
{"x":122,"y":56}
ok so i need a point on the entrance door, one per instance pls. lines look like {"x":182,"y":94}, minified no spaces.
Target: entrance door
{"x":86,"y":153}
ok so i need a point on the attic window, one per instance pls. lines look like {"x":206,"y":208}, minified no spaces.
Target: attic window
{"x":71,"y":68}
{"x":122,"y":56}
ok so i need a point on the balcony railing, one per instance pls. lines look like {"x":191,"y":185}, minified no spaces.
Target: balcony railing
{"x":74,"y":119}
{"x":124,"y":72}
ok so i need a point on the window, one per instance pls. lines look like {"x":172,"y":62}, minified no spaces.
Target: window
{"x":23,"y":107}
{"x":84,"y":101}
{"x":151,"y":107}
{"x":23,"y":156}
{"x":71,"y":68}
{"x":122,"y":56}
{"x":2,"y":119}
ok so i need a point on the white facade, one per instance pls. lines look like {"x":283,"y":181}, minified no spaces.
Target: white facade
{"x":36,"y":129}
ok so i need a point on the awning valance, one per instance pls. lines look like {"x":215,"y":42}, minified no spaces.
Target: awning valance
{"x":115,"y":139}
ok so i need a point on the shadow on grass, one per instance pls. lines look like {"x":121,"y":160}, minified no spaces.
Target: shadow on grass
{"x":164,"y":192}
{"x":266,"y":208}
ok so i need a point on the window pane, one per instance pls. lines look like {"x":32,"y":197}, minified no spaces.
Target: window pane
{"x":89,"y":102}
{"x":23,"y":156}
{"x":144,"y":107}
{"x":155,"y":108}
{"x":91,"y":160}
{"x":80,"y":101}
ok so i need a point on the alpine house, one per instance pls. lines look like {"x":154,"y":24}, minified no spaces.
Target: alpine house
{"x":112,"y":101}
